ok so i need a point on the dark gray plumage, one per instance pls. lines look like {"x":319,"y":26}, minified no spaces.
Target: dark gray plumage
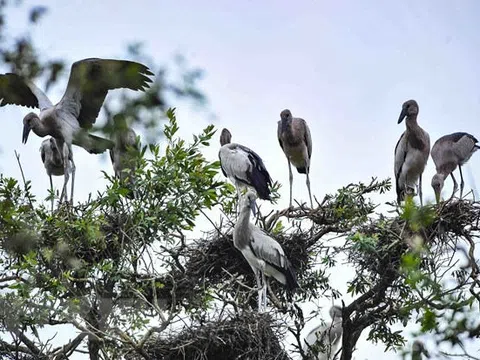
{"x":296,"y":142}
{"x":264,"y":254}
{"x":125,"y":141}
{"x":52,"y":158}
{"x":411,"y":153}
{"x":448,"y":152}
{"x":244,"y":167}
{"x":68,"y":120}
{"x":328,"y":335}
{"x":418,"y":349}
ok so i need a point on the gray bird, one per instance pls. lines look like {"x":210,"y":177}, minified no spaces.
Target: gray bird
{"x":52,"y":158}
{"x":244,"y":167}
{"x":448,"y":152}
{"x":70,"y":119}
{"x":411,"y":153}
{"x":264,"y":254}
{"x":418,"y":349}
{"x":296,"y":142}
{"x":122,"y":158}
{"x":327,"y":336}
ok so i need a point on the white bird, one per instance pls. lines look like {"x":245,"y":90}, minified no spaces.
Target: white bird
{"x":296,"y":142}
{"x":411,"y":153}
{"x":327,"y":336}
{"x":448,"y":152}
{"x":52,"y":158}
{"x":244,"y":167}
{"x":418,"y":349}
{"x":68,"y":120}
{"x":264,"y":254}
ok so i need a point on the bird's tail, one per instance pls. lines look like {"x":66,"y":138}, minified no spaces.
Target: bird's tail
{"x":291,"y":278}
{"x":93,"y":144}
{"x":261,"y":181}
{"x":302,"y":170}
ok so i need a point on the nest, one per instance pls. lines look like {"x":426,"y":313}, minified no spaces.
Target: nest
{"x":247,"y":336}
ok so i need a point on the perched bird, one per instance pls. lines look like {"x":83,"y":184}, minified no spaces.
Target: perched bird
{"x":448,"y":152}
{"x":52,"y":158}
{"x":125,"y":140}
{"x":69,"y":120}
{"x":243,"y":167}
{"x":327,"y":336}
{"x":418,"y":349}
{"x":296,"y":142}
{"x":264,"y":254}
{"x":411,"y":153}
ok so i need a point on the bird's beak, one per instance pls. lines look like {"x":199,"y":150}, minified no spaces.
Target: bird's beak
{"x":253,"y":206}
{"x":26,"y":131}
{"x":437,"y":196}
{"x":402,"y":115}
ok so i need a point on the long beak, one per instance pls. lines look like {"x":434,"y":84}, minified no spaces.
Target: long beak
{"x":253,"y":206}
{"x":437,"y":197}
{"x":402,"y":115}
{"x":26,"y":131}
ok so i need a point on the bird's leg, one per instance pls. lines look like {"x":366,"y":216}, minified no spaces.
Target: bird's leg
{"x":259,"y":289}
{"x":66,"y":175}
{"x":264,"y":291}
{"x":73,"y":179}
{"x":51,"y":191}
{"x":420,"y":194}
{"x":308,"y":186}
{"x":462,"y":183}
{"x":290,"y":179}
{"x":455,"y":185}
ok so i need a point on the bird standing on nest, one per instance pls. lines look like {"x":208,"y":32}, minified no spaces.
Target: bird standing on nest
{"x":296,"y":142}
{"x":448,"y":152}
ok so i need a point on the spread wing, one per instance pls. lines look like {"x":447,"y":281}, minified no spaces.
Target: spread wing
{"x":15,"y":90}
{"x":91,"y":79}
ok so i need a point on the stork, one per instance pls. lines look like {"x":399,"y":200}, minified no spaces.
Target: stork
{"x":448,"y":152}
{"x":328,"y":336}
{"x":244,"y":167}
{"x":264,"y":254}
{"x":296,"y":142}
{"x":411,"y":153}
{"x":125,"y":140}
{"x":69,"y":120}
{"x":52,"y":158}
{"x":418,"y":349}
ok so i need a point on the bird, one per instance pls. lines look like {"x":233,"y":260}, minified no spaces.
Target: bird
{"x":411,"y":153}
{"x":70,"y":119}
{"x":296,"y":142}
{"x":448,"y":152}
{"x":121,"y":155}
{"x":52,"y":158}
{"x":264,"y":255}
{"x":244,"y":167}
{"x":328,"y":336}
{"x":418,"y":349}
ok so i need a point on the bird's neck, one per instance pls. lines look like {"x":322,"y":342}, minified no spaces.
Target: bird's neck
{"x":411,"y":122}
{"x":39,"y":128}
{"x":286,"y":125}
{"x":242,"y":229}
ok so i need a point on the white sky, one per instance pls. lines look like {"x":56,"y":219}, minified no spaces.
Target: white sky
{"x":345,"y":67}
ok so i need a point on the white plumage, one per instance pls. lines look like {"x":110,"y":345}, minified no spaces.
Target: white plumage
{"x":68,"y":120}
{"x":448,"y":152}
{"x":411,"y":153}
{"x":264,"y":254}
{"x":328,"y":336}
{"x":244,"y":167}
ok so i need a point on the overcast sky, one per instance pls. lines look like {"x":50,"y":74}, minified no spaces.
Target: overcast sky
{"x":346,"y":67}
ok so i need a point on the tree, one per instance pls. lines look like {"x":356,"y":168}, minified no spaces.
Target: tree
{"x":128,"y":278}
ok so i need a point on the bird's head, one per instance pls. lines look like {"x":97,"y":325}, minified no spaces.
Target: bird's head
{"x":225,"y":137}
{"x":437,"y":185}
{"x":248,"y":202}
{"x":418,"y":348}
{"x":286,"y":115}
{"x":335,"y":312}
{"x":409,"y":108}
{"x":30,"y":121}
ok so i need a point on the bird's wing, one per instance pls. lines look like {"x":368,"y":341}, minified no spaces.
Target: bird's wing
{"x":44,"y":144}
{"x":91,"y":79}
{"x":279,"y":134}
{"x":267,"y":249}
{"x":400,"y":155}
{"x":308,"y":138}
{"x":110,"y":151}
{"x":15,"y":90}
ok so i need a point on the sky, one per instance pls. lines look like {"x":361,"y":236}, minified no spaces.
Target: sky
{"x":345,"y":67}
